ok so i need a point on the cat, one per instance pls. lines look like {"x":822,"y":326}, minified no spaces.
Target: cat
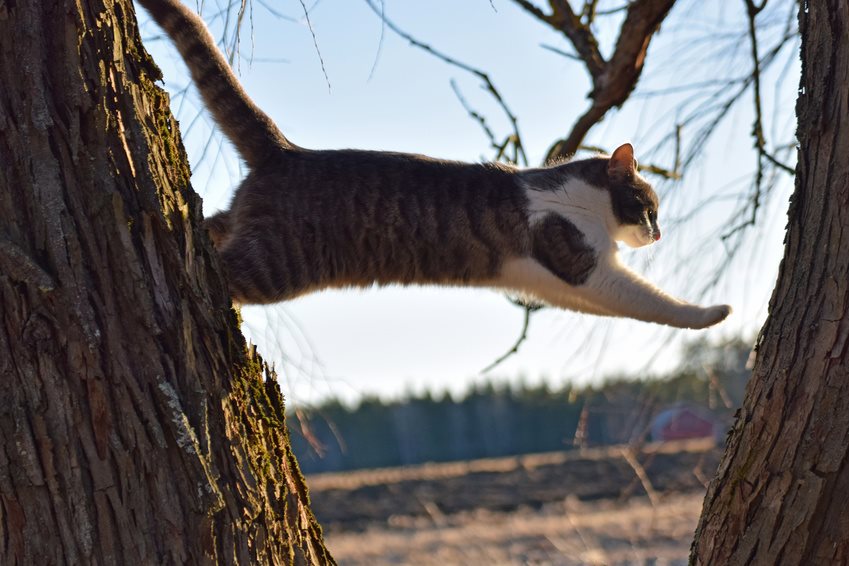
{"x":305,"y":220}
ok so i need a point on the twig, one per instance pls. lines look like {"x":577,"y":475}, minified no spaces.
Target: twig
{"x":700,"y":475}
{"x":752,"y":10}
{"x":500,"y":148}
{"x":677,"y":162}
{"x":673,"y":174}
{"x":276,"y":13}
{"x":783,"y":166}
{"x":560,"y":51}
{"x":659,"y":171}
{"x":529,"y":309}
{"x":482,"y":76}
{"x":716,"y":385}
{"x":306,"y":431}
{"x":640,"y":472}
{"x":718,"y":106}
{"x":476,"y":116}
{"x":629,"y":489}
{"x":237,"y":37}
{"x":315,"y":42}
{"x":590,"y":11}
{"x":611,"y":11}
{"x":379,"y":41}
{"x":582,"y":430}
{"x":757,"y":128}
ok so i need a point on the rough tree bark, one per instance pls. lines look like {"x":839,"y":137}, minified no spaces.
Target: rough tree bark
{"x":781,"y":495}
{"x":136,"y":427}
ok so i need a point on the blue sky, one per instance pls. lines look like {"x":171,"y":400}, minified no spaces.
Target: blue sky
{"x":391,"y":341}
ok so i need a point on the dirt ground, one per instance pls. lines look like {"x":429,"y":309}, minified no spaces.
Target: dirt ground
{"x":602,"y":506}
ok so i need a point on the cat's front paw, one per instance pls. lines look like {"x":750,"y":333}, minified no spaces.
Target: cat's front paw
{"x":714,"y":315}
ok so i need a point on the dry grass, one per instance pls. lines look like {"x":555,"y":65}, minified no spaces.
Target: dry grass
{"x":560,"y":508}
{"x":572,"y":532}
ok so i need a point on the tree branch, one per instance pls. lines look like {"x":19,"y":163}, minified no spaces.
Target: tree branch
{"x":500,"y":148}
{"x":482,"y":76}
{"x":613,"y":80}
{"x":582,"y":38}
{"x":763,"y":156}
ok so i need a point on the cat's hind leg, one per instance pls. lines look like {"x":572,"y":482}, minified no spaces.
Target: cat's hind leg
{"x":260,"y":271}
{"x":220,"y":228}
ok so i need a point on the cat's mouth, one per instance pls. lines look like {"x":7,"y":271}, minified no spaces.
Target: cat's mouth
{"x":639,"y":235}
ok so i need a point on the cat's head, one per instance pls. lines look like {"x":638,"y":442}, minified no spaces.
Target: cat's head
{"x":632,"y":198}
{"x":618,"y":192}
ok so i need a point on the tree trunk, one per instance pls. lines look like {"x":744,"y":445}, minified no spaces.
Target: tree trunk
{"x":781,"y":495}
{"x":136,"y":426}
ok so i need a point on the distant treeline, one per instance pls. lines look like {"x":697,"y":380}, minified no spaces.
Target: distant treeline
{"x":494,"y":419}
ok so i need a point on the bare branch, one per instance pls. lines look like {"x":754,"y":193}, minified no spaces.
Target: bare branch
{"x":783,"y":166}
{"x":752,"y":10}
{"x":757,"y":128}
{"x":716,"y":385}
{"x":566,"y":147}
{"x":611,"y":10}
{"x":673,"y":174}
{"x":718,"y":104}
{"x":482,"y":76}
{"x":588,"y":13}
{"x":560,"y":52}
{"x":582,"y":38}
{"x":763,"y":157}
{"x":628,"y":454}
{"x":476,"y":116}
{"x":276,"y":13}
{"x":529,"y":309}
{"x":379,"y":41}
{"x":613,"y":80}
{"x":315,"y":42}
{"x":500,"y":148}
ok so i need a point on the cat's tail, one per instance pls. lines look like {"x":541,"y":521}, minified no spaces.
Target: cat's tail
{"x":249,"y":128}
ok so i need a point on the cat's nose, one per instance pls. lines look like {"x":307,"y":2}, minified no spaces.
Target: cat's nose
{"x":656,"y":234}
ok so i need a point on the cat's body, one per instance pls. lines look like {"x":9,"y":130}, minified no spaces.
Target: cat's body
{"x":306,"y":220}
{"x":340,"y":222}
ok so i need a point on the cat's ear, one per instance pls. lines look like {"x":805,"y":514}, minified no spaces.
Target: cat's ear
{"x":622,"y":164}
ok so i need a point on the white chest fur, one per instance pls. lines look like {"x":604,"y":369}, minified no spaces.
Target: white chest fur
{"x":611,"y":289}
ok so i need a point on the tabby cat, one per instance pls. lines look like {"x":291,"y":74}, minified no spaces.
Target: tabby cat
{"x":304,"y":220}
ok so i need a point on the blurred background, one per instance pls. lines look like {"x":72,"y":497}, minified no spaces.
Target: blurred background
{"x":572,"y":438}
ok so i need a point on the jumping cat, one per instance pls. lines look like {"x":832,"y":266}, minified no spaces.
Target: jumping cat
{"x":305,"y":220}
